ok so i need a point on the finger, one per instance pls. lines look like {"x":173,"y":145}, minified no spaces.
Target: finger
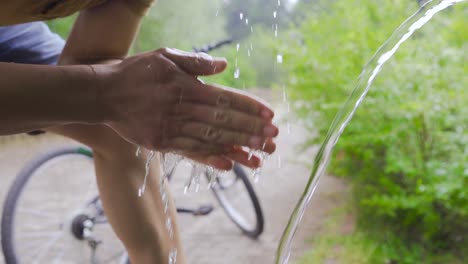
{"x":195,"y":63}
{"x":225,"y":118}
{"x":185,"y":144}
{"x":217,"y":162}
{"x":218,"y":136}
{"x":226,"y":98}
{"x":242,"y":157}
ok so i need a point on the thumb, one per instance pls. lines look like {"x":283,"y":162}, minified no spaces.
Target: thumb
{"x":195,"y":63}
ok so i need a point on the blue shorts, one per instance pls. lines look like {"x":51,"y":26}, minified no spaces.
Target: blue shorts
{"x":30,"y":43}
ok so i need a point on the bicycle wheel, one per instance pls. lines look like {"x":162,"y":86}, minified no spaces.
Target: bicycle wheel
{"x":52,"y":213}
{"x":237,"y":197}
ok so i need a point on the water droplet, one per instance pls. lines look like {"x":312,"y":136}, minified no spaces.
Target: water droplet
{"x":279,"y":58}
{"x":169,"y":227}
{"x":248,"y":52}
{"x":251,"y":153}
{"x":285,"y":95}
{"x":251,"y":46}
{"x":138,"y":152}
{"x":251,"y":29}
{"x":289,"y":107}
{"x":279,"y":2}
{"x":276,"y":30}
{"x":150,"y":157}
{"x":237,"y":47}
{"x":279,"y":162}
{"x":169,"y":163}
{"x":237,"y":73}
{"x":241,"y":16}
{"x":274,"y":14}
{"x":212,"y":175}
{"x":246,"y":21}
{"x":165,"y":200}
{"x":289,"y":128}
{"x":256,"y":173}
{"x":217,"y":12}
{"x":173,"y":256}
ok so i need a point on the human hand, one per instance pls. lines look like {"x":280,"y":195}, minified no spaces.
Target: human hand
{"x":155,"y":100}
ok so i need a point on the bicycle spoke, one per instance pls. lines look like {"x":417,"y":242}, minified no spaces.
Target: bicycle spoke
{"x":28,"y":227}
{"x":38,"y":234}
{"x":59,"y":256}
{"x":34,"y":212}
{"x":41,"y":251}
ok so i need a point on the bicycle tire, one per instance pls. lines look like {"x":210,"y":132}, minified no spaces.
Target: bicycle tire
{"x":16,"y":189}
{"x":251,"y":231}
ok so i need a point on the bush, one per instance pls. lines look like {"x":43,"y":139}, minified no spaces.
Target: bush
{"x":406,"y":150}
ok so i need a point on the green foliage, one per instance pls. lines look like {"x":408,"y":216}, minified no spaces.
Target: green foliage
{"x":406,"y":150}
{"x":181,"y":24}
{"x":62,"y":26}
{"x":259,"y":13}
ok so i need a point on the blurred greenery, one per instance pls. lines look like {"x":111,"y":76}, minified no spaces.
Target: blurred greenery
{"x":406,"y":150}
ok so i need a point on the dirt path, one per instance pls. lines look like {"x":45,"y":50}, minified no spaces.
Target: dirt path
{"x":213,"y":238}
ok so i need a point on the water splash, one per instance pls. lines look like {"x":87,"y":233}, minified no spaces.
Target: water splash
{"x":173,"y":256}
{"x":256,"y":173}
{"x":251,"y":153}
{"x":150,"y":157}
{"x":237,"y":73}
{"x":212,"y":174}
{"x":138,"y":151}
{"x":169,"y":227}
{"x":344,"y":116}
{"x":285,"y":95}
{"x":195,"y":175}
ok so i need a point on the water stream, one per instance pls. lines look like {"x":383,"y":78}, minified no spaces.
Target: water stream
{"x":344,"y":116}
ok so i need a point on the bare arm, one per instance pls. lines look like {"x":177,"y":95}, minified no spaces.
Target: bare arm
{"x":104,"y":32}
{"x":34,"y":97}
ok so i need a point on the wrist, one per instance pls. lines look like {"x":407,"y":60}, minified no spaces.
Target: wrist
{"x":103,"y":76}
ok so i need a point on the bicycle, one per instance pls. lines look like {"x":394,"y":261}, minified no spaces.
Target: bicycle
{"x":81,"y":223}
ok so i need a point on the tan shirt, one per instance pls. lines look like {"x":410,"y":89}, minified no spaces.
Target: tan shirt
{"x":20,"y":11}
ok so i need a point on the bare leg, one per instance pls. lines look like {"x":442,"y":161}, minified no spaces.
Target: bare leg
{"x":138,"y":221}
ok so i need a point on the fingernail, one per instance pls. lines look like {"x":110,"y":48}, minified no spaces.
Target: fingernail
{"x":267,"y":114}
{"x":270,"y":131}
{"x":255,"y":142}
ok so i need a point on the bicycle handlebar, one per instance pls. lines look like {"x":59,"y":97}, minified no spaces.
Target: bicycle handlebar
{"x":217,"y":45}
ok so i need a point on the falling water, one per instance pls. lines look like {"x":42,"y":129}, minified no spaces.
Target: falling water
{"x":279,"y":58}
{"x":237,"y":73}
{"x":344,"y":116}
{"x":150,"y":157}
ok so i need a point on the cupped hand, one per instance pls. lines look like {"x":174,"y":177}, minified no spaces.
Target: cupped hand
{"x":156,"y":101}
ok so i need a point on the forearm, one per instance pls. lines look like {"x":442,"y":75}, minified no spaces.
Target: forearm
{"x":104,"y":32}
{"x":35,"y":97}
